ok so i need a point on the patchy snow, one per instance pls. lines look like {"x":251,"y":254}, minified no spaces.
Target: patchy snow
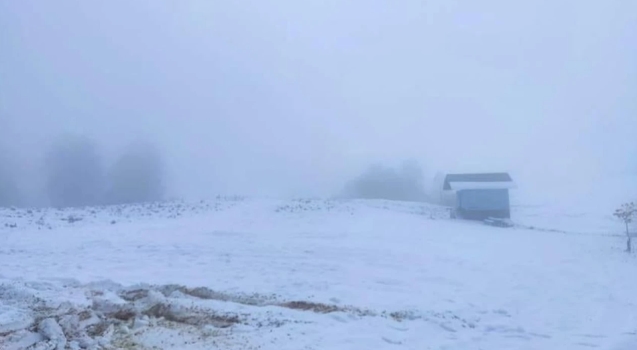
{"x":312,"y":274}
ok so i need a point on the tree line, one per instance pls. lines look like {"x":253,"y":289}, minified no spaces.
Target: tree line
{"x":402,"y":183}
{"x":75,"y":175}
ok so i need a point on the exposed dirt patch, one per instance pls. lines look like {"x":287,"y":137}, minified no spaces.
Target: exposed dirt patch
{"x":134,"y":295}
{"x":124,"y":314}
{"x":322,"y":308}
{"x":191,"y":316}
{"x":84,"y":315}
{"x":310,"y":306}
{"x":210,"y":294}
{"x":98,"y":329}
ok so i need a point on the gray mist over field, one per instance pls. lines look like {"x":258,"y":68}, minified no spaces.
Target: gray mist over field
{"x":295,"y":98}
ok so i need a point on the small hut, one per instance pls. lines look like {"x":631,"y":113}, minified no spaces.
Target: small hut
{"x":477,"y":196}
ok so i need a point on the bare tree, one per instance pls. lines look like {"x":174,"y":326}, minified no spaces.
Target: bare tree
{"x":627,"y":212}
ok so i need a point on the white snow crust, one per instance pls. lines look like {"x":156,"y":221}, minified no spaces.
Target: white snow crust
{"x":238,"y":273}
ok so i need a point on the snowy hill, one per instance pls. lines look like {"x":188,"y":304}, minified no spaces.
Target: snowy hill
{"x":240,"y":273}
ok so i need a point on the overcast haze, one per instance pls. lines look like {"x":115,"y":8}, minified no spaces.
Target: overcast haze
{"x":290,"y":98}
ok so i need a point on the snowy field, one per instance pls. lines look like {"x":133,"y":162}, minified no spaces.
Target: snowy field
{"x":312,"y":274}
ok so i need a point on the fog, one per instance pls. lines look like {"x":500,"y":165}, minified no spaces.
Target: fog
{"x":295,"y":98}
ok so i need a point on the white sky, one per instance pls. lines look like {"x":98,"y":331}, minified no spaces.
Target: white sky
{"x":295,"y":97}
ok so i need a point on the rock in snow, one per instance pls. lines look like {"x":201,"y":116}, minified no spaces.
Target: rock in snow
{"x":52,"y":331}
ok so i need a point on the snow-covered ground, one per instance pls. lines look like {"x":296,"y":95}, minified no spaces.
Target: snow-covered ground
{"x":312,"y":274}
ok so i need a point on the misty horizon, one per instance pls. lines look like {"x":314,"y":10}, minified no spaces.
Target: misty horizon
{"x":296,"y":99}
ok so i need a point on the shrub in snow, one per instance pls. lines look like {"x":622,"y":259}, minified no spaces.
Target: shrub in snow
{"x":627,"y":212}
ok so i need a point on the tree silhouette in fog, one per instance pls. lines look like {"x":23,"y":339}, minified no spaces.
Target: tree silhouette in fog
{"x":73,"y":173}
{"x":136,"y":176}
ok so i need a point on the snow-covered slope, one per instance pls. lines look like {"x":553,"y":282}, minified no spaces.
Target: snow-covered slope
{"x":311,"y":274}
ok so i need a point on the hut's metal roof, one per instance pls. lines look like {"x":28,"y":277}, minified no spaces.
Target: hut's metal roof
{"x":478,"y":181}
